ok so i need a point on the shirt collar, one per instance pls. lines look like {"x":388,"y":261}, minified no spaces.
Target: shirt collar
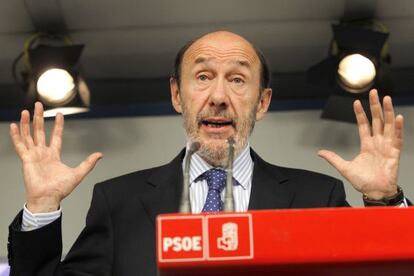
{"x":242,"y":167}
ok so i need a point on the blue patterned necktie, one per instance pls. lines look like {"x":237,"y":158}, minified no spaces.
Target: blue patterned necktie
{"x":216,"y":181}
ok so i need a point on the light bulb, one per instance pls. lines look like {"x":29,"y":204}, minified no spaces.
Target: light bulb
{"x":356,"y":72}
{"x":56,"y":87}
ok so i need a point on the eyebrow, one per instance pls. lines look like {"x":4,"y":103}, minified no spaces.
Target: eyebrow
{"x":242,"y":63}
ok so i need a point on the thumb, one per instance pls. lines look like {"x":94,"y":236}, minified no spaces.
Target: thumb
{"x":88,"y":164}
{"x":334,"y":159}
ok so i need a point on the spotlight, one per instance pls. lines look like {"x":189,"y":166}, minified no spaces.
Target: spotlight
{"x":50,"y":75}
{"x":357,"y":62}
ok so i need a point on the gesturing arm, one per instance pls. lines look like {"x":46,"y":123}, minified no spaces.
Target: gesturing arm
{"x":47,"y":180}
{"x":374,"y":171}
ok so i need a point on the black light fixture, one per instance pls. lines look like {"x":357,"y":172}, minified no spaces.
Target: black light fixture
{"x":357,"y":61}
{"x":51,"y":75}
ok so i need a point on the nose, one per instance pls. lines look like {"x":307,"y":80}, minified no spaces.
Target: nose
{"x":219,"y":97}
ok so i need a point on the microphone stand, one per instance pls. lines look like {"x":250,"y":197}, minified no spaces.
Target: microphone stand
{"x":228,"y":197}
{"x":185,"y":206}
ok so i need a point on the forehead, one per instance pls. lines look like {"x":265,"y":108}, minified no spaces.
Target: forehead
{"x":222,"y":47}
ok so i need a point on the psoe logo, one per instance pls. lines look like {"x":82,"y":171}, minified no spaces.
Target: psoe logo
{"x":178,"y":244}
{"x":229,"y":241}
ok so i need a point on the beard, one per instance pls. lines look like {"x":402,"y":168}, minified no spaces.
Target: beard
{"x":215,"y":150}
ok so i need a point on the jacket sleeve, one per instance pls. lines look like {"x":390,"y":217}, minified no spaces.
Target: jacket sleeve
{"x":338,"y":197}
{"x":38,"y":252}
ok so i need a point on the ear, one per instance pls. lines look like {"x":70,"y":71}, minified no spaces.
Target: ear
{"x":175,"y":95}
{"x":264,"y":103}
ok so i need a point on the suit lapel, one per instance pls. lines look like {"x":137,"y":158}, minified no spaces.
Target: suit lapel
{"x":165,"y":195}
{"x":269,"y":186}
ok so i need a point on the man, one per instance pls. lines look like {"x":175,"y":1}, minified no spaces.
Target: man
{"x":221,"y":88}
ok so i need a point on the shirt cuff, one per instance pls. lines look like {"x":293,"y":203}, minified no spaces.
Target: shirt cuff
{"x":32,"y":221}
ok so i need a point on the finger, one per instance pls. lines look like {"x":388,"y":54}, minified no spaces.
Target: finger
{"x":57,"y":133}
{"x":17,"y":140}
{"x":364,"y":128}
{"x":399,"y":131}
{"x":25,"y":129}
{"x":389,"y":117}
{"x":87,"y":165}
{"x":376,"y":112}
{"x":335,"y":160}
{"x":38,"y":125}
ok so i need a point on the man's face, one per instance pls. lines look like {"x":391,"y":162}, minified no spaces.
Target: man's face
{"x":219,"y":94}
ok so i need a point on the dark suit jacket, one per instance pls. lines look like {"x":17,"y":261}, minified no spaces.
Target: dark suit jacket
{"x":119,"y":236}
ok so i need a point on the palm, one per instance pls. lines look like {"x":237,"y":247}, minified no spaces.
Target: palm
{"x":46,"y":178}
{"x":374,"y":171}
{"x":37,"y":170}
{"x":377,"y":164}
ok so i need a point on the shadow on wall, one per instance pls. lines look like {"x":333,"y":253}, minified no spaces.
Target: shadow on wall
{"x":85,"y":135}
{"x":330,"y":135}
{"x":82,"y":136}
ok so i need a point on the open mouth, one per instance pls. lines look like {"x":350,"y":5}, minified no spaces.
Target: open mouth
{"x":216,"y":123}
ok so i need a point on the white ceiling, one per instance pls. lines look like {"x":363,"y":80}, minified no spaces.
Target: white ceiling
{"x":127,"y":39}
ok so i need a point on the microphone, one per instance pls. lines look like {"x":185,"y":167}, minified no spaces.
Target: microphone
{"x":228,"y":197}
{"x":185,"y":206}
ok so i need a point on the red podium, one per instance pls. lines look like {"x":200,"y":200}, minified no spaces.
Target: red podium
{"x":336,"y":241}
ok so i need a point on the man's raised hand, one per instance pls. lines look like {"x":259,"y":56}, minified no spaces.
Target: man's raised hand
{"x":47,"y":180}
{"x":374,"y":171}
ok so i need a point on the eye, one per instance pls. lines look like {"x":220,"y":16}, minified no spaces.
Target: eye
{"x":238,"y":80}
{"x":202,"y":77}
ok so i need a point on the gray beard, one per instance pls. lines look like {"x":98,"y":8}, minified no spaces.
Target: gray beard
{"x":217,"y":156}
